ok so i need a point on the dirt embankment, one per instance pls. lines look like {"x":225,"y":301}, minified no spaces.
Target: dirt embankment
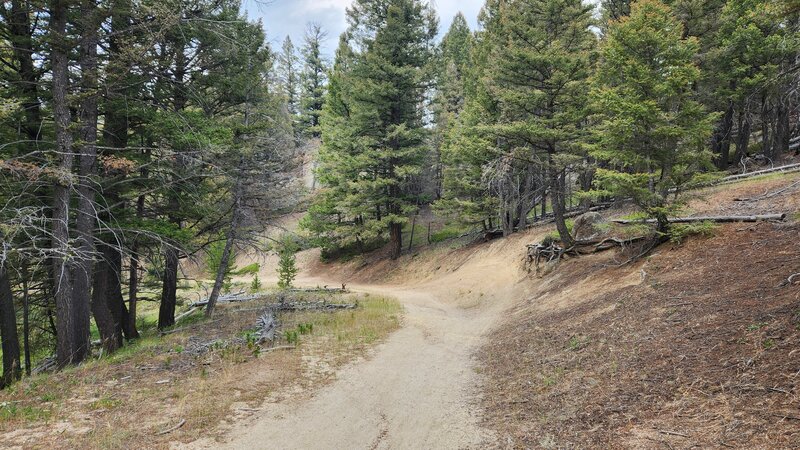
{"x":695,"y":346}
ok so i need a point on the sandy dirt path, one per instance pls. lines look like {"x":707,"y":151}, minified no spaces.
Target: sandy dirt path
{"x":417,"y":391}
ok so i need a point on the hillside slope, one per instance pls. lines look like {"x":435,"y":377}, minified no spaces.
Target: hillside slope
{"x":696,"y":345}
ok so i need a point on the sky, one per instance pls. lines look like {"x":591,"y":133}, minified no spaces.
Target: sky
{"x":289,"y":17}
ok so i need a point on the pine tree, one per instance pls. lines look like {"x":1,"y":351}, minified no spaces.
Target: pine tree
{"x":287,"y":267}
{"x":754,"y":45}
{"x":379,"y":97}
{"x":313,"y":80}
{"x":287,"y":71}
{"x":539,"y":73}
{"x":448,"y":102}
{"x":650,"y":130}
{"x":465,"y":196}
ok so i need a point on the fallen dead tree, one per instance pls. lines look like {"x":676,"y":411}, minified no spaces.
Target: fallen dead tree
{"x":717,"y":219}
{"x":342,"y":289}
{"x":230,"y":298}
{"x":782,"y":169}
{"x":309,"y":306}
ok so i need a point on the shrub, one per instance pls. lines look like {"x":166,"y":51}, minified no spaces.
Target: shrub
{"x":287,"y":268}
{"x":679,"y":232}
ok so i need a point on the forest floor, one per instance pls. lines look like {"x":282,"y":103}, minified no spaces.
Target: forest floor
{"x":695,"y":346}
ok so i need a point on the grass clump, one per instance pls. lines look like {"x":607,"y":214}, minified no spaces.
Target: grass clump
{"x":679,"y":232}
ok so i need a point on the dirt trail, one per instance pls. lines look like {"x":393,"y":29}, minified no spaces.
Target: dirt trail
{"x":418,"y":389}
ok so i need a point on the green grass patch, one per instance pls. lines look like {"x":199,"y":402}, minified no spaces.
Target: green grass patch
{"x":679,"y":232}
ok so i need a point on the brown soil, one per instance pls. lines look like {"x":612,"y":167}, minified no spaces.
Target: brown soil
{"x":694,"y":347}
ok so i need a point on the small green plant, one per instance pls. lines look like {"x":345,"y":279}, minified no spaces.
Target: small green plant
{"x":48,"y":397}
{"x":251,"y":338}
{"x":105,"y":403}
{"x":768,"y":344}
{"x":250,"y":269}
{"x":255,"y":285}
{"x":679,"y":232}
{"x":554,"y":236}
{"x":756,"y":326}
{"x":305,"y":328}
{"x":291,"y":336}
{"x":576,"y":343}
{"x":287,"y":268}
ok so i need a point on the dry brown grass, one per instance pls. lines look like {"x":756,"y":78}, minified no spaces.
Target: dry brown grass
{"x":127,"y":399}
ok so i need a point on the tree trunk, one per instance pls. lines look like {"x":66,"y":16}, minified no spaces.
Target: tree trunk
{"x":12,"y":370}
{"x":396,"y":239}
{"x":87,"y":158}
{"x":110,"y":333}
{"x":722,"y":138}
{"x":169,"y":288}
{"x":26,"y":331}
{"x":766,"y":137}
{"x":557,"y":200}
{"x":133,"y":284}
{"x":120,"y":82}
{"x":166,"y":311}
{"x":230,"y":241}
{"x":743,"y":138}
{"x":72,"y":325}
{"x":782,"y":129}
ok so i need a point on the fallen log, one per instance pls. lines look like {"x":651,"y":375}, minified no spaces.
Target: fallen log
{"x":187,"y":313}
{"x":342,"y":289}
{"x":308,"y":306}
{"x":785,"y":169}
{"x":717,"y":219}
{"x":231,"y":298}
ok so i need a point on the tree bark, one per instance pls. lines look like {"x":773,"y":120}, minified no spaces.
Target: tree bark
{"x":230,"y":241}
{"x":26,"y":331}
{"x":743,"y":138}
{"x":166,"y":311}
{"x":396,"y":239}
{"x":87,"y":159}
{"x":115,"y":134}
{"x":12,"y":370}
{"x":169,"y":288}
{"x":71,"y":321}
{"x":110,"y":332}
{"x":722,"y":138}
{"x":133,"y":284}
{"x":782,"y":129}
{"x":557,"y":201}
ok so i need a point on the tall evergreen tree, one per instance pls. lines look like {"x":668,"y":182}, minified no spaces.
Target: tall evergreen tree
{"x":288,"y":72}
{"x":381,"y":92}
{"x":651,"y":131}
{"x":465,"y":196}
{"x":313,"y":81}
{"x":448,"y":102}
{"x":539,"y":73}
